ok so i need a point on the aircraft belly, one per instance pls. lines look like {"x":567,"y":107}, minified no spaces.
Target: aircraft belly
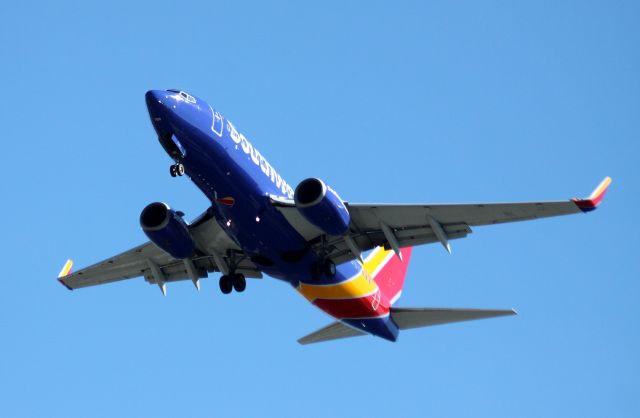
{"x":227,"y":177}
{"x":243,"y":211}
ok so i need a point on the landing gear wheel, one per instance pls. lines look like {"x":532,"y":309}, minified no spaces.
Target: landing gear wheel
{"x":239,"y":282}
{"x":177,"y":170}
{"x":226,"y":284}
{"x":326,"y":268}
{"x":329,"y":268}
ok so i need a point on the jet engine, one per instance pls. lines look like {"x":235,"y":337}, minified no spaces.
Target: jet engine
{"x":166,"y":228}
{"x":321,"y":205}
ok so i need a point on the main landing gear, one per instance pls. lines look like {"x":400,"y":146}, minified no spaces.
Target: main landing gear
{"x":325,"y":268}
{"x":231,"y":282}
{"x":177,"y":170}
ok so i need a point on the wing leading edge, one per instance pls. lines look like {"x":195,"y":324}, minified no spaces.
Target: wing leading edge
{"x":372,"y":225}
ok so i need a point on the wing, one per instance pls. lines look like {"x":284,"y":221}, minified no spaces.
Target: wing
{"x":397,"y":226}
{"x":216,"y":252}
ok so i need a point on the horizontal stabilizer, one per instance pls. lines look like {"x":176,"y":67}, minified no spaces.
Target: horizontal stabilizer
{"x":407,"y":318}
{"x":332,"y":331}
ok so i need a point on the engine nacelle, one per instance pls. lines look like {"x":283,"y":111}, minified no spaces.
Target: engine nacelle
{"x":321,"y":205}
{"x":167,"y":230}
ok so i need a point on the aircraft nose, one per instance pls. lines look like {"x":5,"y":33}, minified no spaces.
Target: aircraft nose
{"x":157,"y":107}
{"x":154,"y":99}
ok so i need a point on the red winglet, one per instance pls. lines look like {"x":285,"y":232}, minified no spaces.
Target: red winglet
{"x":592,"y":202}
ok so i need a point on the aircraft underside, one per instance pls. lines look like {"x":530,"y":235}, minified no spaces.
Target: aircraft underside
{"x":257,"y":224}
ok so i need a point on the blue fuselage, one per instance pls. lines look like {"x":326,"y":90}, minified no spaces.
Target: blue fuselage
{"x":227,"y":168}
{"x":240,"y":183}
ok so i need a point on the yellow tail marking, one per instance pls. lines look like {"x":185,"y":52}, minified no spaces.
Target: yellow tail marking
{"x":66,"y":269}
{"x":360,"y":285}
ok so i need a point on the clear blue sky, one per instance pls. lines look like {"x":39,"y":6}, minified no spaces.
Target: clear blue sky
{"x":397,"y":102}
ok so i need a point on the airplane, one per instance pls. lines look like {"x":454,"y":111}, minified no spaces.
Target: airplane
{"x":257,"y":224}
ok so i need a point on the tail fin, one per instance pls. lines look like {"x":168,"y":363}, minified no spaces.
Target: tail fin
{"x":388,"y":271}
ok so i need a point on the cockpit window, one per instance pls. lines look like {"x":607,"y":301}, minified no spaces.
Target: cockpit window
{"x":186,"y":96}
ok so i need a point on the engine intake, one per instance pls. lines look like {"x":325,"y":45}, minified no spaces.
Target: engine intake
{"x":321,"y":205}
{"x":166,"y":229}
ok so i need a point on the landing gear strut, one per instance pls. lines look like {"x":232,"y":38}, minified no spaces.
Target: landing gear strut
{"x":325,"y":266}
{"x":231,"y":282}
{"x":176,"y":170}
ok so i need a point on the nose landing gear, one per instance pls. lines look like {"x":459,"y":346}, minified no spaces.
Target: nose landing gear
{"x":176,"y":170}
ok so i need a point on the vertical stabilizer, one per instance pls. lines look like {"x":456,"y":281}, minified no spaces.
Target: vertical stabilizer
{"x":388,"y":270}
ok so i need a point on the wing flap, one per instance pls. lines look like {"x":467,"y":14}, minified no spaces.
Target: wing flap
{"x":406,"y":237}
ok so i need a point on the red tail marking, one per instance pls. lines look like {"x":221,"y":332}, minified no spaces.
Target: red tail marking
{"x":390,"y":278}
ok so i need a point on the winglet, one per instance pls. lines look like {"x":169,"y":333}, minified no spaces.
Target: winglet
{"x":66,"y":270}
{"x":592,"y":202}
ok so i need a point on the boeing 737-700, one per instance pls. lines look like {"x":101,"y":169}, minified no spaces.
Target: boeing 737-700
{"x":257,"y":224}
